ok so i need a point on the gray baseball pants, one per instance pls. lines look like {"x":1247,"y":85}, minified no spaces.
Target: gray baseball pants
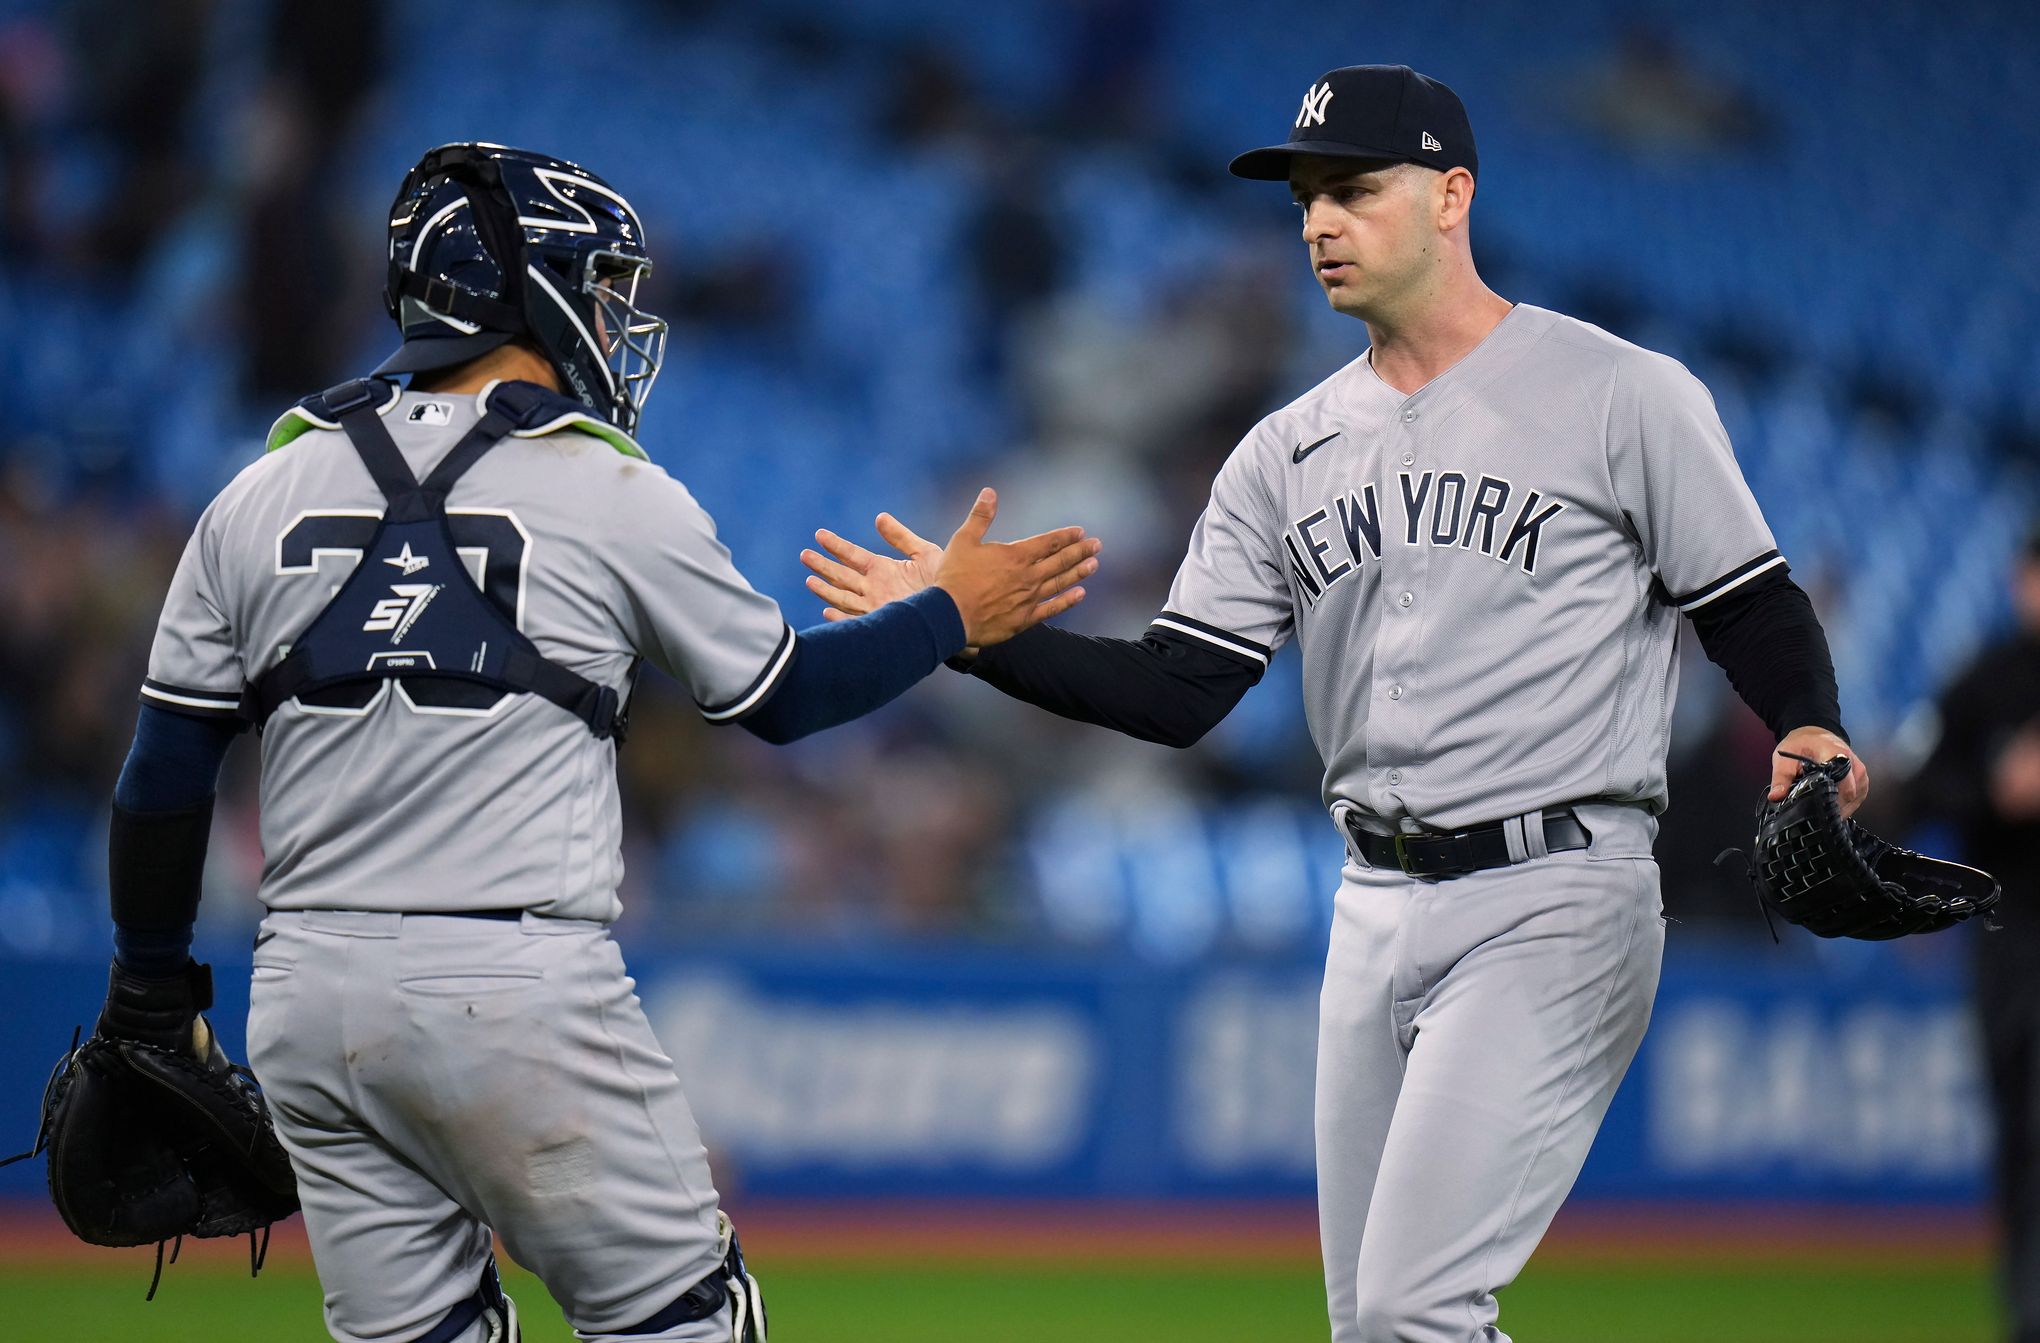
{"x":437,"y":1078}
{"x":1471,"y":1034}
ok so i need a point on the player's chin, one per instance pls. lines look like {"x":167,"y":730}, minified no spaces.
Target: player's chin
{"x":1343,"y":297}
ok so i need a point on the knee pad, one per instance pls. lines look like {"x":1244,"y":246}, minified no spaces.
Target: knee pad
{"x":729,"y":1282}
{"x":489,"y":1316}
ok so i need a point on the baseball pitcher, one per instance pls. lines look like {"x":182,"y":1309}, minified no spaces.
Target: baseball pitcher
{"x":1482,"y":533}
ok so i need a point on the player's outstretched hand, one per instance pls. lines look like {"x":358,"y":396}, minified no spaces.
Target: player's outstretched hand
{"x":1814,"y":743}
{"x":856,"y":580}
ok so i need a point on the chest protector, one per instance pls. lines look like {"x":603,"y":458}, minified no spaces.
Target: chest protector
{"x":411,"y":611}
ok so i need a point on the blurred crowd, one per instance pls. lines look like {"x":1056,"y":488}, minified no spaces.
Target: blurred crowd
{"x":140,"y":145}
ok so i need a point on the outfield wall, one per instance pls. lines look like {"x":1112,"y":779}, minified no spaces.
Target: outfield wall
{"x":971,"y":1073}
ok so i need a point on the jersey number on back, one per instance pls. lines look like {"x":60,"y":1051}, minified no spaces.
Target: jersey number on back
{"x":491,"y":540}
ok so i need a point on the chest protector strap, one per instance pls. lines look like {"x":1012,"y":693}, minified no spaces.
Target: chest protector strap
{"x":411,"y":611}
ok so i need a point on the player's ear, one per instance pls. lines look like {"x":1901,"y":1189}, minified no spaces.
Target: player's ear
{"x":1453,"y":195}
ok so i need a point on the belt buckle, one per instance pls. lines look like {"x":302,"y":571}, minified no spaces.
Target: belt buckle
{"x":1443,"y":862}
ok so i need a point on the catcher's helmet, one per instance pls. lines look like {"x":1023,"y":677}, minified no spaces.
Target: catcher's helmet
{"x":490,"y":244}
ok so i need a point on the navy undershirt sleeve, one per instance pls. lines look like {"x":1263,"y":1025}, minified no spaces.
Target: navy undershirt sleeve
{"x":175,"y":760}
{"x":162,"y":815}
{"x":1158,"y":688}
{"x":1766,"y":636}
{"x":845,"y":670}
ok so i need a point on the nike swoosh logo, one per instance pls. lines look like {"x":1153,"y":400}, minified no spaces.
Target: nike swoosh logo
{"x":1303,"y":451}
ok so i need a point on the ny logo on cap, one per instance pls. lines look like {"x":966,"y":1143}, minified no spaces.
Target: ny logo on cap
{"x":1431,"y":142}
{"x":1313,"y":111}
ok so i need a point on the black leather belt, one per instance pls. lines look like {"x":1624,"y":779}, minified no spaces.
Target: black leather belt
{"x":1462,"y":851}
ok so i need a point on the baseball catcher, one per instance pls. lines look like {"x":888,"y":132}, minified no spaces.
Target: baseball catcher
{"x":1816,"y":868}
{"x":153,"y":1135}
{"x":423,"y":596}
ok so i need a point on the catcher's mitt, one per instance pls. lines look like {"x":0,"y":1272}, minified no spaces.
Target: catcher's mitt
{"x":1822,"y":871}
{"x":152,"y":1144}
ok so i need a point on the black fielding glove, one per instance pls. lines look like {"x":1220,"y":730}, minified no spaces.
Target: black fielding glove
{"x":153,"y":1134}
{"x":155,"y":1012}
{"x":1823,"y":872}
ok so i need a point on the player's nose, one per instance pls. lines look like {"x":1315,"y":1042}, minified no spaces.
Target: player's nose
{"x":1320,"y":220}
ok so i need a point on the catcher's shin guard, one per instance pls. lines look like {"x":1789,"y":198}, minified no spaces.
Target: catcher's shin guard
{"x":747,"y":1303}
{"x":729,"y":1283}
{"x":488,"y":1316}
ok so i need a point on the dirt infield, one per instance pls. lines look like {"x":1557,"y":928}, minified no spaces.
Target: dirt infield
{"x":1231,"y":1233}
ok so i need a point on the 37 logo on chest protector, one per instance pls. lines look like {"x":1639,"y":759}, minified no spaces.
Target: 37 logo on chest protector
{"x":400,"y":612}
{"x":1442,"y":509}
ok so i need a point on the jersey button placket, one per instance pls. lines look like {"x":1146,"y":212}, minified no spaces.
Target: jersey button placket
{"x":1393,"y":736}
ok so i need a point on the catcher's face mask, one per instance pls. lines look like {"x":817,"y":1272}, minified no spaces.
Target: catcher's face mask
{"x":632,"y":340}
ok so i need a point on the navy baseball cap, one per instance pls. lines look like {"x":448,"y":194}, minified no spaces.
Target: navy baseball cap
{"x":1372,"y":112}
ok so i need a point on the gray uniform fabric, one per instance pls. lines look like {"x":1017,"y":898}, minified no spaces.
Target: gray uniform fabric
{"x":437,"y":1078}
{"x":407,"y":806}
{"x":1485,"y":579}
{"x":1471,"y":1035}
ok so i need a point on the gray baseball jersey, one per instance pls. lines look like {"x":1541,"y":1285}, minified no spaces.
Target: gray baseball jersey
{"x":1485,"y":576}
{"x":404,"y":804}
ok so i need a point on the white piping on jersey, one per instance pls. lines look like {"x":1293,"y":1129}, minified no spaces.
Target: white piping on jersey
{"x":480,"y":554}
{"x":571,"y":417}
{"x":503,"y":702}
{"x":1725,"y":588}
{"x":319,"y":552}
{"x":191,"y":701}
{"x":765,"y":683}
{"x":1213,"y":639}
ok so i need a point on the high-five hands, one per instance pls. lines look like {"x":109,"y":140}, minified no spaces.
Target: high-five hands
{"x":1001,"y":588}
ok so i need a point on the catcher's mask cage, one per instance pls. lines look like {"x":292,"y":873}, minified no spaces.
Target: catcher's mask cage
{"x":489,"y":244}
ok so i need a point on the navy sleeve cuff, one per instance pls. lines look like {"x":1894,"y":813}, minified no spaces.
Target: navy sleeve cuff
{"x":175,"y":760}
{"x":945,"y":622}
{"x":844,"y":670}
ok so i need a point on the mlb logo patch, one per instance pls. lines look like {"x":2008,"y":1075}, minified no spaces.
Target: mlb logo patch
{"x":431,"y":412}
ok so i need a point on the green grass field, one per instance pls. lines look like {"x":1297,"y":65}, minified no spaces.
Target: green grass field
{"x":204,"y":1300}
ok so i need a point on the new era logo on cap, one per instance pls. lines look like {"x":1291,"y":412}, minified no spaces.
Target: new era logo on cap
{"x":1314,"y":103}
{"x":1431,"y":142}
